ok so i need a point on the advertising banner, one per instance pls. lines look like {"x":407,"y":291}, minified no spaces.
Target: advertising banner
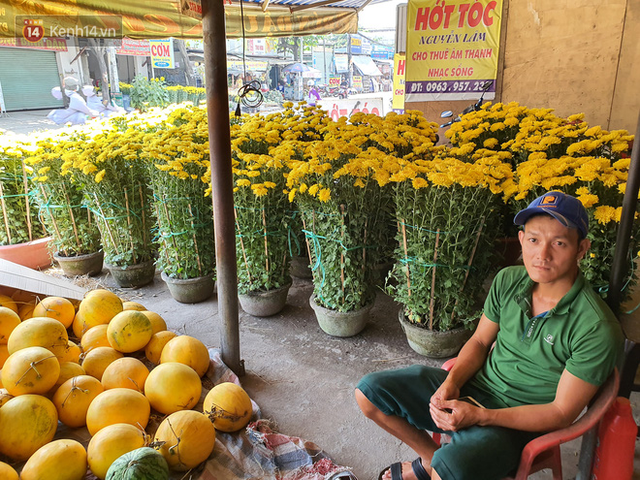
{"x":347,"y":107}
{"x":55,"y":44}
{"x":357,"y":82}
{"x":136,"y":48}
{"x":452,"y":49}
{"x":399,"y":64}
{"x":162,"y":53}
{"x":334,"y":81}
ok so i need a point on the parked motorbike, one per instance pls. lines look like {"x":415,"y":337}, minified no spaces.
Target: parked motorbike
{"x":471,"y":108}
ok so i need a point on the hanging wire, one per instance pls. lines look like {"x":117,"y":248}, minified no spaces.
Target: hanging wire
{"x":249,"y":94}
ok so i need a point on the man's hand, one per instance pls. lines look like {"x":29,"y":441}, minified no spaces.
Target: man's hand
{"x":454,"y":415}
{"x":447,"y":391}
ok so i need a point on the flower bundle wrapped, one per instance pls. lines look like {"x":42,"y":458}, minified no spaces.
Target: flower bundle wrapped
{"x":106,"y":163}
{"x":62,"y":206}
{"x":447,"y":221}
{"x":19,"y":214}
{"x":178,"y":161}
{"x":261,"y":209}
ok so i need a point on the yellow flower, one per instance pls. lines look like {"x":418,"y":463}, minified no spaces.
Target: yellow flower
{"x":243,"y":182}
{"x":99,"y":176}
{"x":313,"y":189}
{"x":604,"y":214}
{"x":324,"y":195}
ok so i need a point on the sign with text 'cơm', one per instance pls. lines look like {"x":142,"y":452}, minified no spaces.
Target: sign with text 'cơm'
{"x":452,"y":49}
{"x":162,"y":53}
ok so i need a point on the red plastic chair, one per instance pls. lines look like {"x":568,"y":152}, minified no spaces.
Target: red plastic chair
{"x":544,"y":451}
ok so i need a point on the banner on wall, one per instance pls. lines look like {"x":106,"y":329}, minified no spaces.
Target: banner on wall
{"x":452,"y":49}
{"x":399,"y":64}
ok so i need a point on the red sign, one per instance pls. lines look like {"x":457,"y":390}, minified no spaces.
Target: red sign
{"x":47,"y":43}
{"x":32,"y":30}
{"x":138,"y":48}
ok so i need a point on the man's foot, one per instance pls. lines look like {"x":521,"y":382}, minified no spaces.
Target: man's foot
{"x":405,"y":471}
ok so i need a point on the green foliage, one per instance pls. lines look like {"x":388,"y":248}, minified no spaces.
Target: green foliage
{"x":147,"y":93}
{"x":445,"y":252}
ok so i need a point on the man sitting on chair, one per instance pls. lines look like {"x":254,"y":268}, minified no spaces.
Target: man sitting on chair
{"x":554,"y":343}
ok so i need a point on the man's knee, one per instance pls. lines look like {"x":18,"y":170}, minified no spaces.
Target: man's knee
{"x":368,"y":409}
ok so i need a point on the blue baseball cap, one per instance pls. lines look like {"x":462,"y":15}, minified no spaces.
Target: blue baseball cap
{"x":568,"y":210}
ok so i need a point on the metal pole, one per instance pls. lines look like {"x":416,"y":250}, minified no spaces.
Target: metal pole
{"x":619,"y":269}
{"x":215,"y":64}
{"x":621,"y":259}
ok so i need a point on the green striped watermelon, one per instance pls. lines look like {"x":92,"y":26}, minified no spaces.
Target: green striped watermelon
{"x":141,"y":464}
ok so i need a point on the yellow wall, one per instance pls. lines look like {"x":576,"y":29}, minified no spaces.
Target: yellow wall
{"x":570,"y":55}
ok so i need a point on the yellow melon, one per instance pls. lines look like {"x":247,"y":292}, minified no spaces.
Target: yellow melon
{"x":187,"y":350}
{"x":189,"y":439}
{"x":95,"y":337}
{"x":173,"y":386}
{"x":59,"y":460}
{"x":72,"y":354}
{"x":228,"y":406}
{"x":67,"y":370}
{"x":118,"y":405}
{"x":42,"y":332}
{"x":30,"y":370}
{"x":4,"y":354}
{"x":133,"y":306}
{"x":25,"y":311}
{"x":5,"y":396}
{"x":157,"y":322}
{"x":110,"y":443}
{"x":58,"y":308}
{"x":129,"y":331}
{"x":27,"y":422}
{"x":153,"y":350}
{"x":9,"y":320}
{"x":79,"y":326}
{"x":7,"y":472}
{"x":8,"y":302}
{"x":99,"y":307}
{"x":98,"y":359}
{"x":125,"y":372}
{"x":73,"y":397}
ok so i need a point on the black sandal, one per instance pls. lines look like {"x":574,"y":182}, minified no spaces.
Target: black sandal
{"x":396,"y":470}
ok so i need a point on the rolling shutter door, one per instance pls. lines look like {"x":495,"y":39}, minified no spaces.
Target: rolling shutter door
{"x":27,"y":78}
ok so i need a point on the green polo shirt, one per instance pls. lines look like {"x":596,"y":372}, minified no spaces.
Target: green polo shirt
{"x":580,"y":334}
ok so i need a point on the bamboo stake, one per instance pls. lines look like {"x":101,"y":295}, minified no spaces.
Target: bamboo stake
{"x":173,"y":239}
{"x":244,"y":253}
{"x":266,"y":247}
{"x":4,"y":213}
{"x":433,"y":281}
{"x":73,"y":218}
{"x":306,"y":239}
{"x":106,"y":222}
{"x":342,"y":254}
{"x":144,"y":223}
{"x":364,"y":245}
{"x":26,"y":197}
{"x":164,"y":240}
{"x":126,"y":203}
{"x":195,"y":241}
{"x":469,"y":263}
{"x":406,"y":256}
{"x":53,"y":219}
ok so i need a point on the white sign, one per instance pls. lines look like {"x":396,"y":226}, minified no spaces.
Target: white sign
{"x":162,"y":53}
{"x":346,"y":107}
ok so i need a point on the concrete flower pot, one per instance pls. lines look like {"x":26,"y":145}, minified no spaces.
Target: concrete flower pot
{"x":190,"y":290}
{"x":432,"y":343}
{"x":340,"y":324}
{"x":265,"y":303}
{"x":89,"y":264}
{"x":133,"y":275}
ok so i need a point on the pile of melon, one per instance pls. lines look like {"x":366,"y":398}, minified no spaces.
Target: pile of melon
{"x":107,"y":366}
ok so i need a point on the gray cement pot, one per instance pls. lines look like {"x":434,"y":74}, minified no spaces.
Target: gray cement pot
{"x":340,"y":324}
{"x":264,"y":303}
{"x":431,"y":343}
{"x":190,"y":290}
{"x":133,"y":275}
{"x":89,"y":264}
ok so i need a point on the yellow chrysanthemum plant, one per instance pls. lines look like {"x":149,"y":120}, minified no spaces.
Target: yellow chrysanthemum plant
{"x":447,"y":220}
{"x":60,"y":199}
{"x":599,"y":183}
{"x":18,"y":210}
{"x":177,"y":156}
{"x":108,"y":167}
{"x":262,"y":211}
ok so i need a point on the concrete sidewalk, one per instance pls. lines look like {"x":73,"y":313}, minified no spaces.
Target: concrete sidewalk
{"x":27,"y":121}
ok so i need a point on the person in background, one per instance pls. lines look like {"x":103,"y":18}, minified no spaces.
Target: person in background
{"x":313,"y":96}
{"x":78,"y":111}
{"x":544,"y":344}
{"x":94,"y":102}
